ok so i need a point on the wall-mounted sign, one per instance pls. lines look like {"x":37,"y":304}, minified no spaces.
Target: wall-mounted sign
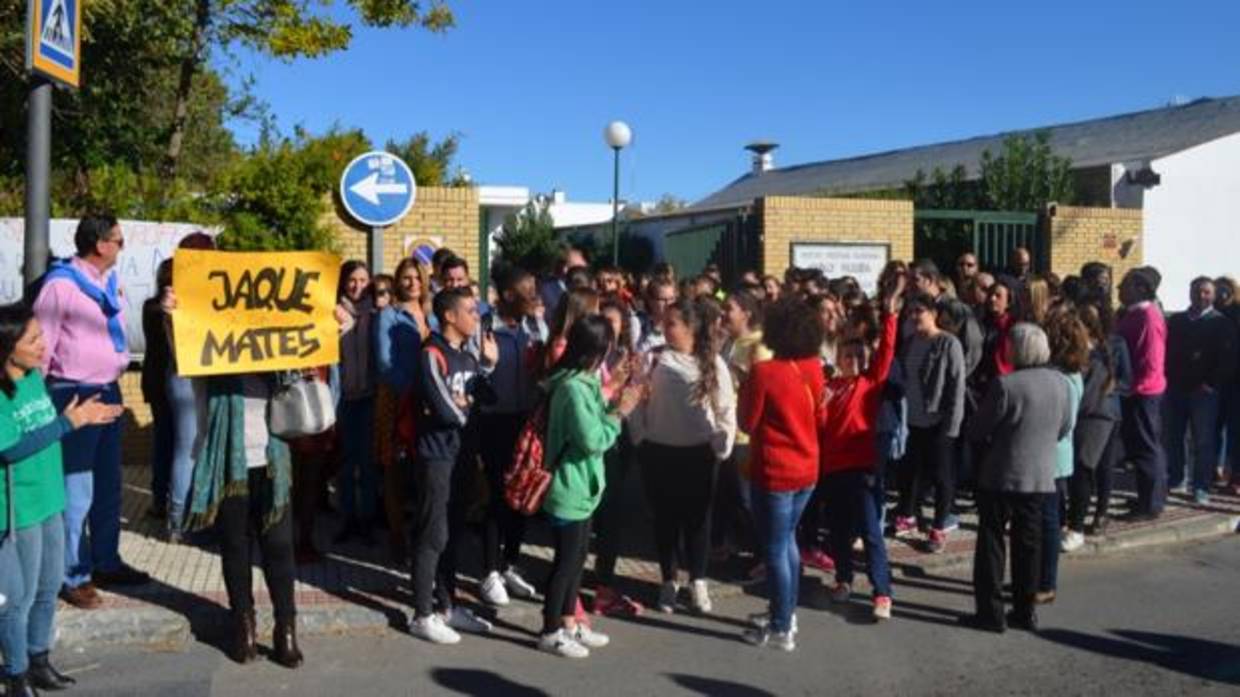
{"x":863,"y":261}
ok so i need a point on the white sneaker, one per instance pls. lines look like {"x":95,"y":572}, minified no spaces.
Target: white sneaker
{"x":465,"y":621}
{"x":493,"y":591}
{"x":700,"y":597}
{"x":667,"y":597}
{"x":589,"y":638}
{"x":762,"y":620}
{"x":518,"y":587}
{"x":562,"y":644}
{"x":783,"y":641}
{"x":434,"y":630}
{"x":1072,"y":541}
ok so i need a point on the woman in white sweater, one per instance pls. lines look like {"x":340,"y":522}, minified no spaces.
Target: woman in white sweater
{"x":685,"y":427}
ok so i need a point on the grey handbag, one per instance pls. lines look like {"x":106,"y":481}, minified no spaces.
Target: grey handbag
{"x":300,"y":406}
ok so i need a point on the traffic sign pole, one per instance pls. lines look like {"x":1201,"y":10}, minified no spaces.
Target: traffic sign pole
{"x":38,"y":166}
{"x":376,"y":249}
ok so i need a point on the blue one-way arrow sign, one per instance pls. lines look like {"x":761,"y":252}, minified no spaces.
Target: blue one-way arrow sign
{"x":377,"y":189}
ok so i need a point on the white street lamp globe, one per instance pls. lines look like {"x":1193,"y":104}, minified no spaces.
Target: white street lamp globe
{"x":618,"y":135}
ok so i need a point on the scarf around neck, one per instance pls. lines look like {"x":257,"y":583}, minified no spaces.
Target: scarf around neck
{"x":108,"y":298}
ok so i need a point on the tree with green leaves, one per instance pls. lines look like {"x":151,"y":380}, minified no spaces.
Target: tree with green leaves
{"x":277,"y":196}
{"x":529,"y":238}
{"x":431,"y":162}
{"x":281,"y":29}
{"x":1026,"y":174}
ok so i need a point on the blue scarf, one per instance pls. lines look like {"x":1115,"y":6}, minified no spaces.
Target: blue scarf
{"x":108,"y":299}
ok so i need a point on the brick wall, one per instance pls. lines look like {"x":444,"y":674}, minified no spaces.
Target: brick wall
{"x":136,"y":426}
{"x":1110,"y":235}
{"x":451,"y":214}
{"x":787,"y":219}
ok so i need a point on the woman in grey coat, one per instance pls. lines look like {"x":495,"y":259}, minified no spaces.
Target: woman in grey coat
{"x":1021,"y":418}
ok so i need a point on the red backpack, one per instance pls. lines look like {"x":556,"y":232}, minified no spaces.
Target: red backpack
{"x":528,"y":478}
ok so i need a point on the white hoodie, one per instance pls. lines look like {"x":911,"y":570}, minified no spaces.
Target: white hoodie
{"x":672,"y":417}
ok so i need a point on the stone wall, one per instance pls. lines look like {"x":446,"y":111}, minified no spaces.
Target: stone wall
{"x":787,"y":219}
{"x":1077,"y":235}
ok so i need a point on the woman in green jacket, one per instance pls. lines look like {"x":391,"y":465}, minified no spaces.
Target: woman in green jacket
{"x":581,"y":427}
{"x":32,"y":499}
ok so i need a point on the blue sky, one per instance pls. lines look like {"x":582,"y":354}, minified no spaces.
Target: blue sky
{"x":530,"y":85}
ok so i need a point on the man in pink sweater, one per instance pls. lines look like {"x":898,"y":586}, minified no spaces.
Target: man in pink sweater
{"x":1145,"y":331}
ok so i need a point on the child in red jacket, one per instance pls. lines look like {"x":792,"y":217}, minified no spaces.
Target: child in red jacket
{"x":848,"y":447}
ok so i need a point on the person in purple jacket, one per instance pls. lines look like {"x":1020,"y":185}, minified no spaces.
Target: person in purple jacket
{"x":1145,"y":332}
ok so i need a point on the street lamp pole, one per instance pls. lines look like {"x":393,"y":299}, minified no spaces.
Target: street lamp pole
{"x":617,"y":136}
{"x":615,"y":211}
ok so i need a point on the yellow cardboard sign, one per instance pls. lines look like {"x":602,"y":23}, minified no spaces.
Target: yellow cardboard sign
{"x":250,"y":312}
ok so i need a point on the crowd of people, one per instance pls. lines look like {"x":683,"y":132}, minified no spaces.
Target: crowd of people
{"x":769,"y":421}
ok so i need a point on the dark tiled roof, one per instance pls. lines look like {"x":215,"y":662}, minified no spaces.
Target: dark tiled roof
{"x":1124,"y":138}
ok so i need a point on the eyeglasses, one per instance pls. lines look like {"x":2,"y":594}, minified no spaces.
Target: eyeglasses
{"x":118,"y":241}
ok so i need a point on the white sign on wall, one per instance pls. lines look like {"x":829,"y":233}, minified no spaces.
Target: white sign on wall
{"x":146,"y":245}
{"x":862,"y":261}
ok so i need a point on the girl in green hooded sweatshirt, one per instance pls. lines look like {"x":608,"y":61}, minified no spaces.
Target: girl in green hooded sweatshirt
{"x":581,"y":427}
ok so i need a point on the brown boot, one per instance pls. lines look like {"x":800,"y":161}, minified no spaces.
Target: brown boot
{"x":244,"y":643}
{"x":286,"y":652}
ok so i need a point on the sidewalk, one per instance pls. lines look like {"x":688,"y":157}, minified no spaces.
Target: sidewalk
{"x":355,"y":589}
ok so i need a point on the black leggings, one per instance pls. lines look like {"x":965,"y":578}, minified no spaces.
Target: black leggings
{"x":929,"y":461}
{"x":1084,"y":481}
{"x":239,"y":523}
{"x":611,"y":514}
{"x":680,"y":486}
{"x":504,"y":529}
{"x":572,"y":542}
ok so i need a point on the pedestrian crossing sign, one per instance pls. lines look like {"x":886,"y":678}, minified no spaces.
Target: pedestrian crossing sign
{"x":54,"y":40}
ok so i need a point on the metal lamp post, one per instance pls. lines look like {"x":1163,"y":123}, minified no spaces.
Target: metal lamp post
{"x":617,"y":136}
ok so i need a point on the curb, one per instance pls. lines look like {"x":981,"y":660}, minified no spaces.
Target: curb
{"x":163,"y":629}
{"x":1194,"y":529}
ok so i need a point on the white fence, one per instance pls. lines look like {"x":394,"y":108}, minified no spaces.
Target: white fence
{"x":146,"y":245}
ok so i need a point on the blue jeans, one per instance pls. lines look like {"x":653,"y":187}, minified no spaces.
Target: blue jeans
{"x":776,"y":514}
{"x":185,"y":431}
{"x":92,"y":457}
{"x":1193,"y":413}
{"x":1049,"y":575}
{"x":31,"y":569}
{"x":853,"y":510}
{"x":358,"y":477}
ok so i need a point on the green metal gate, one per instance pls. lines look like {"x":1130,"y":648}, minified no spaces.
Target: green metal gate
{"x":730,"y":243}
{"x":943,"y":235}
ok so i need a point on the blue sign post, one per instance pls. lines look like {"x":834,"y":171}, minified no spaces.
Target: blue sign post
{"x":377,"y":189}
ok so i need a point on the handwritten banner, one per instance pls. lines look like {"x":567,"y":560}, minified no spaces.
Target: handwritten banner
{"x":248,"y":312}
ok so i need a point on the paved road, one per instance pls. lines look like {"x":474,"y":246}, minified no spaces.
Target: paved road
{"x":1165,"y":623}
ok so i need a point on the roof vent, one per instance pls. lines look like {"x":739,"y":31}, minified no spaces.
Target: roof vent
{"x":762,"y":158}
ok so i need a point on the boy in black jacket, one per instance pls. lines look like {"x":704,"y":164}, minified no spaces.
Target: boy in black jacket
{"x":450,"y":376}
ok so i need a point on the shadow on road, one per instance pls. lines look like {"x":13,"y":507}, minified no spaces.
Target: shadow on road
{"x":714,"y":687}
{"x":481,"y":682}
{"x":1200,"y":658}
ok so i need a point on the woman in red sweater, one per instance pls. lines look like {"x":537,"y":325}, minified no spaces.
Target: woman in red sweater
{"x":848,"y":443}
{"x":781,"y":408}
